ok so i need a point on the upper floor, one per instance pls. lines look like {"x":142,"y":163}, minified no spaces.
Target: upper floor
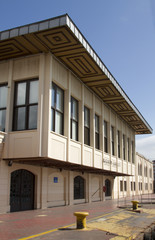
{"x":59,"y":101}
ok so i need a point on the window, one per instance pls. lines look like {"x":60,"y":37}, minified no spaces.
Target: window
{"x":79,"y":187}
{"x":131,"y":186}
{"x":97,"y":136}
{"x":86,"y":126}
{"x":112,"y":141}
{"x":57,"y":109}
{"x":146,"y":186}
{"x":25,"y":105}
{"x":105,"y":137}
{"x":74,"y":119}
{"x":128,"y":150}
{"x":121,"y":186}
{"x":150,"y":172}
{"x":134,"y":186}
{"x":125,"y":186}
{"x":123,"y":146}
{"x":140,"y":169}
{"x":118,"y":141}
{"x":108,"y":188}
{"x":150,"y":186}
{"x":132,"y":152}
{"x":3,"y":103}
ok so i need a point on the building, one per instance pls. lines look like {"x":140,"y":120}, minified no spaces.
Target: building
{"x":67,"y":127}
{"x":154,"y":175}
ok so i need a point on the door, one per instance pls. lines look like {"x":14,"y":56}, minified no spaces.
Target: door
{"x":21,"y":191}
{"x":108,"y":188}
{"x":78,"y":188}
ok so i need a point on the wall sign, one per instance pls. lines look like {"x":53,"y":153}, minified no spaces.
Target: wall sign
{"x":55,"y":179}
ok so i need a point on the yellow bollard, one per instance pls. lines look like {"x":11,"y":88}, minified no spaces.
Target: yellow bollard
{"x":135,"y":204}
{"x":81,"y":219}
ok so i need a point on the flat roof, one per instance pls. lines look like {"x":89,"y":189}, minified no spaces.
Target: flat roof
{"x":62,"y":38}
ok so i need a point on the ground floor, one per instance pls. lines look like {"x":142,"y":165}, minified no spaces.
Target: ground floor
{"x":27,"y":187}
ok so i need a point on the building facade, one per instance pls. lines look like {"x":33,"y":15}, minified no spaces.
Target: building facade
{"x":67,"y":127}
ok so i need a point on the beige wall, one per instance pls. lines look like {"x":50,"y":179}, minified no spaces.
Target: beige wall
{"x":44,"y":143}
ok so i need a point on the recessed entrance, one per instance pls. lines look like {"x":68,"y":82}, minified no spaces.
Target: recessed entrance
{"x":108,"y":188}
{"x":79,"y":188}
{"x":21,"y":191}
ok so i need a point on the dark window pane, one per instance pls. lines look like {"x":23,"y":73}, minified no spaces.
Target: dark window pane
{"x":33,"y":97}
{"x":59,"y":123}
{"x":33,"y":117}
{"x":97,"y":140}
{"x":52,"y":120}
{"x":20,"y":118}
{"x":86,"y":136}
{"x":3,"y":96}
{"x":2,"y":120}
{"x":21,"y":93}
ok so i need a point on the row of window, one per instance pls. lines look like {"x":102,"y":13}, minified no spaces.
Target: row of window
{"x":26,"y":109}
{"x":123,"y":187}
{"x":145,"y":171}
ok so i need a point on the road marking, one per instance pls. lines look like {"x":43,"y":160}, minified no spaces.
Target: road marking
{"x":56,"y":229}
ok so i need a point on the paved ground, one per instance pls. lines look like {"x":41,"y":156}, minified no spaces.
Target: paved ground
{"x":105,"y":221}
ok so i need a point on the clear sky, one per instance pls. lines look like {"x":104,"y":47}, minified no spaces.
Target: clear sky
{"x":122,"y":32}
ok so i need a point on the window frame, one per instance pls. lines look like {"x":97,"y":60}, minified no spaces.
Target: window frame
{"x":55,"y":110}
{"x":26,"y":105}
{"x":72,"y":119}
{"x":4,"y":108}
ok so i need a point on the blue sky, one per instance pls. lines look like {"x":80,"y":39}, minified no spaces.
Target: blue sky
{"x":122,"y":32}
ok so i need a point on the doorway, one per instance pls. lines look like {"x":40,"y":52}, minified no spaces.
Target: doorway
{"x":21,"y":191}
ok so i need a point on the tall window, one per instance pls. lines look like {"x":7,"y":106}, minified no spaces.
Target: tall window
{"x":112,"y":141}
{"x":86,"y":126}
{"x":123,"y":146}
{"x":3,"y":103}
{"x":132,"y":152}
{"x":74,"y":119}
{"x":125,"y":186}
{"x":128,"y":150}
{"x":105,"y":137}
{"x":121,"y":185}
{"x":57,"y":109}
{"x":25,"y":105}
{"x":97,"y":136}
{"x":118,"y":142}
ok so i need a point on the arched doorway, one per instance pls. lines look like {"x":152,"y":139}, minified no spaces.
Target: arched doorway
{"x":79,"y":188}
{"x":21,"y":191}
{"x":108,"y":188}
